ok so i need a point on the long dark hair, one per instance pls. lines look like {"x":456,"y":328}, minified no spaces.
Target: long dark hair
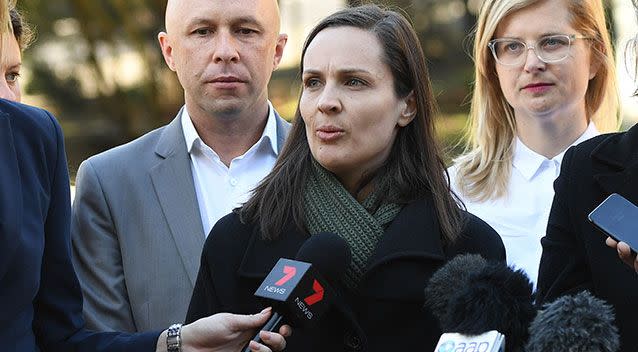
{"x":414,"y":169}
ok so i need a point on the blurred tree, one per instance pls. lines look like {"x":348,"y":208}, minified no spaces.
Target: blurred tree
{"x":98,"y":66}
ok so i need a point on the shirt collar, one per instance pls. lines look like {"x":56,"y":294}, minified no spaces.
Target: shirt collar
{"x":528,"y":161}
{"x":190,"y":133}
{"x":270,"y":131}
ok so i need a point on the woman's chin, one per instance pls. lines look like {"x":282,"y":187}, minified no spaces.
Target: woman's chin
{"x":328,"y":164}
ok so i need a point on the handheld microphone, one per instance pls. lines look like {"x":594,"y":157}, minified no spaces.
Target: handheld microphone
{"x":579,"y":323}
{"x":296,"y":289}
{"x":494,"y":297}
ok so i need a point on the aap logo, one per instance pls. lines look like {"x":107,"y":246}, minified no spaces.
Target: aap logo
{"x":447,"y":346}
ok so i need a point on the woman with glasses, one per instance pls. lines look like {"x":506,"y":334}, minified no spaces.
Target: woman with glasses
{"x":545,"y":80}
{"x":575,"y":257}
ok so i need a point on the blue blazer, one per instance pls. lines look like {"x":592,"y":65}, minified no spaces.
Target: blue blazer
{"x":40,"y":297}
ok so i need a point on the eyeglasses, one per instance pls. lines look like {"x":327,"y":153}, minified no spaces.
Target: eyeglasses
{"x":549,"y":49}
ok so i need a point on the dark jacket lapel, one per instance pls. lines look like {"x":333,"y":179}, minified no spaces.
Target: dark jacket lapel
{"x":10,"y":195}
{"x":615,"y":163}
{"x":406,"y":256}
{"x":261,"y":256}
{"x":413,"y":233}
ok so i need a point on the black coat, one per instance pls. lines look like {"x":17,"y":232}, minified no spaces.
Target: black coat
{"x":575,"y":256}
{"x":388,"y":315}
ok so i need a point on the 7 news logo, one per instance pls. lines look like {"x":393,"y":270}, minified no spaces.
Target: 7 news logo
{"x":289,"y":272}
{"x":294,"y":288}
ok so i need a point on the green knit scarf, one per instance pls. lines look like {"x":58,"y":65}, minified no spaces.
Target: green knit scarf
{"x":329,"y":207}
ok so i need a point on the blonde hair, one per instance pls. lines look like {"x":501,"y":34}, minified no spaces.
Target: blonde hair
{"x":5,"y":21}
{"x":483,"y":171}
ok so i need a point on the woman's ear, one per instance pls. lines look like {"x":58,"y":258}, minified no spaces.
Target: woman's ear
{"x":408,"y":110}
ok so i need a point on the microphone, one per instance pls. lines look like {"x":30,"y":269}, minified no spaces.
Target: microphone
{"x":450,"y":278}
{"x":296,"y":289}
{"x":493,"y":297}
{"x":579,"y":323}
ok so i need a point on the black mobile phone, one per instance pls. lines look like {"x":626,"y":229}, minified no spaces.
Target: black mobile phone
{"x":618,"y":218}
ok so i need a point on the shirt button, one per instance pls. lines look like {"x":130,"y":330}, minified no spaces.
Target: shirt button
{"x":233,"y":182}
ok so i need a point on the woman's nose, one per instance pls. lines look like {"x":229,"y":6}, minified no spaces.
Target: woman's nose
{"x":329,"y":102}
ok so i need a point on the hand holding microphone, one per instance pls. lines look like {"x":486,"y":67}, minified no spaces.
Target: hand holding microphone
{"x":297,"y":289}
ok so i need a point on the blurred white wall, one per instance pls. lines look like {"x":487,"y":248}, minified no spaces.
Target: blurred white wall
{"x":297,"y":19}
{"x":626,"y":28}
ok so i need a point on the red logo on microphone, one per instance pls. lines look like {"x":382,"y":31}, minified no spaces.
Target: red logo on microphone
{"x":317,"y":296}
{"x":289,"y":272}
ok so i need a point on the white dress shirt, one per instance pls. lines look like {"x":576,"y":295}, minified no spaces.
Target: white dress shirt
{"x":219,"y":188}
{"x":521,"y":216}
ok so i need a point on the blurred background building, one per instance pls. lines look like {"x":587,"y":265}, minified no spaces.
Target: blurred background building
{"x":97,"y":66}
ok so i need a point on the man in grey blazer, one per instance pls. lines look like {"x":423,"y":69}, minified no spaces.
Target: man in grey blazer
{"x":142,"y":210}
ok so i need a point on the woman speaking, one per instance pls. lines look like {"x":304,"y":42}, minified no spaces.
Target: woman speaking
{"x":361,"y":161}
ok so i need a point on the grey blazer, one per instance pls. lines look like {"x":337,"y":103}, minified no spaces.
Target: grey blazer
{"x":137,"y":234}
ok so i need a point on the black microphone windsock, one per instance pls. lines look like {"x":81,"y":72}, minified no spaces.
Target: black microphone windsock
{"x":578,"y":323}
{"x":298,"y":289}
{"x":450,"y":278}
{"x":496,"y":298}
{"x":328,"y":252}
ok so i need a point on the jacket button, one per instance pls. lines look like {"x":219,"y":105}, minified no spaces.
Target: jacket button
{"x":352,"y":341}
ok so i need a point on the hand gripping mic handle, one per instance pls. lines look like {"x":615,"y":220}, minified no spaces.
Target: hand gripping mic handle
{"x":271,"y":325}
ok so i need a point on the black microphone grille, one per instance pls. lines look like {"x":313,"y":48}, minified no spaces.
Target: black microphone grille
{"x":578,"y":323}
{"x":328,"y":253}
{"x":450,"y":278}
{"x":496,"y":298}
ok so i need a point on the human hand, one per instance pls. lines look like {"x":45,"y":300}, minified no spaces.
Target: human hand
{"x":226,"y":332}
{"x":624,"y":252}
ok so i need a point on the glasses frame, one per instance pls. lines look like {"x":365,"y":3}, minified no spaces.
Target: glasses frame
{"x":570,"y":37}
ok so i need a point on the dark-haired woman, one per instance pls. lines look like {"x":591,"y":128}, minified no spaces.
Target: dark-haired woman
{"x":361,"y":161}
